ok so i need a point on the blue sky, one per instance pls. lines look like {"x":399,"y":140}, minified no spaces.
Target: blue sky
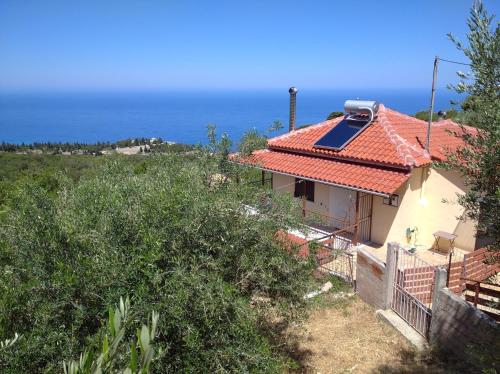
{"x":259,"y":44}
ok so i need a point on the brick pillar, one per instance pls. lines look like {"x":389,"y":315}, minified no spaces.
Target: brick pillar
{"x":390,"y":266}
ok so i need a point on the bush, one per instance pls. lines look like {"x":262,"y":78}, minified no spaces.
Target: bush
{"x":174,"y":237}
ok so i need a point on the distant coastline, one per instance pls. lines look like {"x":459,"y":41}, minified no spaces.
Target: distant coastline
{"x":180,"y":117}
{"x":140,"y":146}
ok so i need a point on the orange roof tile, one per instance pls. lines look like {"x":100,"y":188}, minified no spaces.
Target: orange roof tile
{"x":371,"y":178}
{"x":393,"y":139}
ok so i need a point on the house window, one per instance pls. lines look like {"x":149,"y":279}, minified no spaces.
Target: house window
{"x":392,"y":200}
{"x":304,"y":188}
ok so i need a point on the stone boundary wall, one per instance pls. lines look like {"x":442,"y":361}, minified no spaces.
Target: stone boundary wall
{"x":370,"y":274}
{"x":456,"y":325}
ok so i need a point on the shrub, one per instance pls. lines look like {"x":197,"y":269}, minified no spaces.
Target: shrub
{"x":169,"y":237}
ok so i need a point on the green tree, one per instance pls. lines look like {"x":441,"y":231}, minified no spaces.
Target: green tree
{"x":251,"y":141}
{"x":333,"y":115}
{"x":479,"y":158}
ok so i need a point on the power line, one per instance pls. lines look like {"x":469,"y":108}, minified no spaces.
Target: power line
{"x":453,"y":62}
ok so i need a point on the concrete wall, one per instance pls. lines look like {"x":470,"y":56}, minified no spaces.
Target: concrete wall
{"x":456,"y":324}
{"x":421,"y":205}
{"x":370,"y":274}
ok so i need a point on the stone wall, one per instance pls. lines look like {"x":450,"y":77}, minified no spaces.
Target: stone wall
{"x":456,"y":325}
{"x":370,"y":273}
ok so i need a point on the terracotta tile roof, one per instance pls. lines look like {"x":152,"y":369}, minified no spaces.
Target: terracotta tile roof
{"x":366,"y":177}
{"x":393,"y":139}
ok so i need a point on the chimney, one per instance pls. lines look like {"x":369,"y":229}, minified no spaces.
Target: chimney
{"x":293,"y":95}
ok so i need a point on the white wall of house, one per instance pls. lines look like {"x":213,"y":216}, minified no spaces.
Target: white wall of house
{"x":342,"y":204}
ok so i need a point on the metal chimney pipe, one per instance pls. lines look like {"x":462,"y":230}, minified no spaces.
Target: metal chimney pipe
{"x":293,"y":96}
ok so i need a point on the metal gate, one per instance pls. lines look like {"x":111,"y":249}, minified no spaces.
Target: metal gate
{"x":364,"y":208}
{"x":413,"y":281}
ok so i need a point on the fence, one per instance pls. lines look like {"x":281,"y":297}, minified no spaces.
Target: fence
{"x":484,"y":296}
{"x":340,"y":240}
{"x":337,"y":255}
{"x":315,"y":218}
{"x":404,"y":284}
{"x":358,"y":224}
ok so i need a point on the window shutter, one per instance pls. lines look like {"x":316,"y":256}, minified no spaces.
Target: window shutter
{"x":298,"y":188}
{"x":310,"y":191}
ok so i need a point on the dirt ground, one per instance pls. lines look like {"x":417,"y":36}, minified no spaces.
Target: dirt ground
{"x":345,"y":336}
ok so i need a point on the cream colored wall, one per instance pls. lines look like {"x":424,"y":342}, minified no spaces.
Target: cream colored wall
{"x":424,"y":209}
{"x":285,"y":183}
{"x":421,"y":208}
{"x":448,"y":216}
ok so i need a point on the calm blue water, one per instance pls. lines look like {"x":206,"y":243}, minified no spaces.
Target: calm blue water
{"x":176,"y":116}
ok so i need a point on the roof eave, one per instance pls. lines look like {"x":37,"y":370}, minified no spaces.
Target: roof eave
{"x":377,"y":193}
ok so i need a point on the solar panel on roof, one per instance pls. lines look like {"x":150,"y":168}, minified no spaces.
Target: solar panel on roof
{"x":345,"y":131}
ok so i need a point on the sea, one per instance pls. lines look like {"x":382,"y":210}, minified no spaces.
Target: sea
{"x":181,"y":116}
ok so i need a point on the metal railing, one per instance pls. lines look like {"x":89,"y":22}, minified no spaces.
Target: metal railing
{"x":336,"y":254}
{"x":313,"y":217}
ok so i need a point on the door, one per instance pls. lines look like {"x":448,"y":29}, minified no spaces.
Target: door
{"x":342,"y":206}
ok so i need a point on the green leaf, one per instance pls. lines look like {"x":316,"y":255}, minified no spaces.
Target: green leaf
{"x":133,"y":357}
{"x":111,"y":317}
{"x":154,"y":323}
{"x":144,"y":338}
{"x":122,"y":306}
{"x":105,"y":347}
{"x":117,"y":321}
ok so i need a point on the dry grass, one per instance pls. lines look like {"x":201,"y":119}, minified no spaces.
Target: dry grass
{"x":345,"y":336}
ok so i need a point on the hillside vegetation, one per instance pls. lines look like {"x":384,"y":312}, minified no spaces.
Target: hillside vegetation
{"x":167,"y":231}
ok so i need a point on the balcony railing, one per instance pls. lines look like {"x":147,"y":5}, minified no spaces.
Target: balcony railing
{"x":330,"y":223}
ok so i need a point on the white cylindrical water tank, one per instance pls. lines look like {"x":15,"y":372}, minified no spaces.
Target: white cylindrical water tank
{"x":368,"y":107}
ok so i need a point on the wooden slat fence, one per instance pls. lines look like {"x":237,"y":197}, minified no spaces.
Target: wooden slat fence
{"x":484,"y":296}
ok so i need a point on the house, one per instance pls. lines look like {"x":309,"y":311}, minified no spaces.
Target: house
{"x":374,"y":179}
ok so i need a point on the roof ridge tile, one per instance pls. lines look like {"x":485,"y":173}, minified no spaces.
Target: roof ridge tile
{"x":403,"y":147}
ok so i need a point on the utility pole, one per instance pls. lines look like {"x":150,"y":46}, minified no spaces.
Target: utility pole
{"x":431,"y":109}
